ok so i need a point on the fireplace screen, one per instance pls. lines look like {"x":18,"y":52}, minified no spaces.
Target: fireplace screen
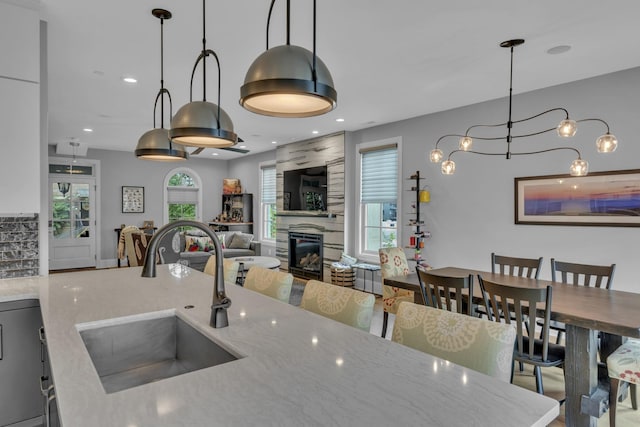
{"x":305,"y":255}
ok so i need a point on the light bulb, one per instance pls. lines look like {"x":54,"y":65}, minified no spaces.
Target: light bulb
{"x":465,"y":143}
{"x":448,"y":167}
{"x":579,"y":167}
{"x":567,"y":128}
{"x":436,"y":155}
{"x":607,"y":143}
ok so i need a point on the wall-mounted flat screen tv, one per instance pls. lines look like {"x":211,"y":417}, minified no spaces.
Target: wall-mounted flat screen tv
{"x":305,"y":189}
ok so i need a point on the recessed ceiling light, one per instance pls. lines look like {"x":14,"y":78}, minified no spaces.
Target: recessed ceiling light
{"x":274,"y":142}
{"x":559,"y":49}
{"x":129,"y":79}
{"x":87,"y":130}
{"x":339,"y":120}
{"x":314,"y":132}
{"x":243,"y":146}
{"x":214,"y":154}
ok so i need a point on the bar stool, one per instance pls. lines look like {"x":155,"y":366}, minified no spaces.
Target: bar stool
{"x":623,"y":365}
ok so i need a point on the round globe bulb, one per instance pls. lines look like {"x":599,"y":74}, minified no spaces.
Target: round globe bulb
{"x":579,"y":167}
{"x":567,"y":128}
{"x":607,"y":143}
{"x":448,"y":167}
{"x":465,"y":143}
{"x":436,"y":155}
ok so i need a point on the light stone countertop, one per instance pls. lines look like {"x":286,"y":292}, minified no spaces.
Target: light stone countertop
{"x":299,"y":369}
{"x":19,"y":289}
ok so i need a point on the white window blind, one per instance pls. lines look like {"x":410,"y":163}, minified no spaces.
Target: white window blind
{"x":379,"y":175}
{"x":269,"y":184}
{"x":182,"y":194}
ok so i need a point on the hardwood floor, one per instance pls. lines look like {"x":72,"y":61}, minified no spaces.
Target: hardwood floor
{"x":552,"y":379}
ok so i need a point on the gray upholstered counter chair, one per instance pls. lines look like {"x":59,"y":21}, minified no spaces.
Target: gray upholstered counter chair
{"x":229,"y":267}
{"x":467,"y":341}
{"x":345,"y":305}
{"x":393,"y":262}
{"x":623,"y":365}
{"x":273,"y":283}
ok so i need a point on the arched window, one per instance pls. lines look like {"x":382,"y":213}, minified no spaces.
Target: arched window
{"x":183,"y":198}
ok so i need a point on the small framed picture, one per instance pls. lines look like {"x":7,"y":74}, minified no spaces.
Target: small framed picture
{"x":132,"y":199}
{"x":148,"y":224}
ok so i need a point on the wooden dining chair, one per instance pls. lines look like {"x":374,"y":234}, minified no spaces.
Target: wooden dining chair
{"x":447,"y":293}
{"x":273,"y":283}
{"x":393,"y":262}
{"x":579,"y":275}
{"x":467,"y":341}
{"x":512,"y":266}
{"x":344,"y":305}
{"x":520,"y":302}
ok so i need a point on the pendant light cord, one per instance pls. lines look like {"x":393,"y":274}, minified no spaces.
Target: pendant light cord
{"x":162,"y":91}
{"x":509,"y":122}
{"x":314,"y":75}
{"x":203,"y":55}
{"x":161,"y":75}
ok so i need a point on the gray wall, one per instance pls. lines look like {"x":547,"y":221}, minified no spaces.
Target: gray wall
{"x":471,"y":213}
{"x":120,"y":168}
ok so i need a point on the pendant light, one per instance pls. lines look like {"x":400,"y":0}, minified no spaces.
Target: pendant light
{"x":202,"y":123}
{"x":155,"y":144}
{"x":288,"y":81}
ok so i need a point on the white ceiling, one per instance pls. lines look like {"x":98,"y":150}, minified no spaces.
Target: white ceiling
{"x":390,"y":60}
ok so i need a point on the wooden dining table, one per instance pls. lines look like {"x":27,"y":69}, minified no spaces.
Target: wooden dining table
{"x":584,"y":310}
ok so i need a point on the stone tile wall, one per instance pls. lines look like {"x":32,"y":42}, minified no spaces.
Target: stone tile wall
{"x":329,"y":151}
{"x":19,"y":250}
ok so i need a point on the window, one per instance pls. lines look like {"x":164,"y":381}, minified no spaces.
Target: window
{"x":183,"y":197}
{"x":268,"y":202}
{"x":378,"y":191}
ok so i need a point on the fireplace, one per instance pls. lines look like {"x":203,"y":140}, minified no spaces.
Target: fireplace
{"x":305,"y":255}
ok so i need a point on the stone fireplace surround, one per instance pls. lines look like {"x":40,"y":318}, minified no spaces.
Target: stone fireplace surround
{"x":327,"y":150}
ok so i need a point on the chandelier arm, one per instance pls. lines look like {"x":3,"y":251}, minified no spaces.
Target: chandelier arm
{"x":534,"y":134}
{"x":517,"y":154}
{"x":269,"y":21}
{"x":550,"y":149}
{"x":595,"y":120}
{"x":543,"y":113}
{"x":483,"y":125}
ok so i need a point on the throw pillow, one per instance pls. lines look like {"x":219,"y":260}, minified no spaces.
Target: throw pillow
{"x":241,"y":241}
{"x":194,"y":243}
{"x":221,"y":239}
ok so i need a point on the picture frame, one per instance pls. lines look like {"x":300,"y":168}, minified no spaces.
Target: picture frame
{"x":132,"y":199}
{"x":148,"y":224}
{"x":599,"y":199}
{"x":286,"y":200}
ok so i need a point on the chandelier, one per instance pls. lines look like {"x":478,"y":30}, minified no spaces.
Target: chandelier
{"x":567,"y":128}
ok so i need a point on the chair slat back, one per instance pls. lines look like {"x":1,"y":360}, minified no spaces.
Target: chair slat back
{"x":512,"y":266}
{"x":500,"y":298}
{"x":445,"y":292}
{"x":583,"y":274}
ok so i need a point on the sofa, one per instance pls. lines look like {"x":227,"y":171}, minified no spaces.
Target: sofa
{"x":194,"y":247}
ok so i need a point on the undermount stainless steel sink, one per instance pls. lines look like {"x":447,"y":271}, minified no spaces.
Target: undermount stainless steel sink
{"x":134,"y":352}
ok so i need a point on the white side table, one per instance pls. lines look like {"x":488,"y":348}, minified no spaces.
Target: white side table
{"x":246,"y":262}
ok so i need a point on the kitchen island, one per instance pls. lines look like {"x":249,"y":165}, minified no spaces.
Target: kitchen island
{"x":296,"y":368}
